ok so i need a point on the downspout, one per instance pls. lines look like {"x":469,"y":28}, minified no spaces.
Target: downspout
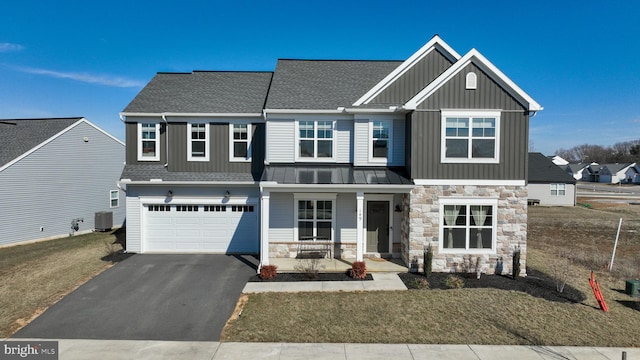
{"x":166,"y":142}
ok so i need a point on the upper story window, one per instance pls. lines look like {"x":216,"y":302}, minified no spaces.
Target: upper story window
{"x":470,"y":136}
{"x":315,"y":139}
{"x":558,"y":189}
{"x":240,"y":142}
{"x":198,"y":142}
{"x":380,"y":146}
{"x":148,"y":145}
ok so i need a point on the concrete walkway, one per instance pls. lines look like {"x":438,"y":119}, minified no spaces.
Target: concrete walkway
{"x":159,"y":350}
{"x":381,"y":281}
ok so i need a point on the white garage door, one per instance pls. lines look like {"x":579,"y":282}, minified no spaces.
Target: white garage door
{"x":192,"y":228}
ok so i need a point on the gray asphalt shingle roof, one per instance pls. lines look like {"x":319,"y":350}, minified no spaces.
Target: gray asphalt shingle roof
{"x":543,"y":170}
{"x":146,"y":172}
{"x":203,"y":92}
{"x":17,"y":136}
{"x":324,"y":84}
{"x":336,"y":174}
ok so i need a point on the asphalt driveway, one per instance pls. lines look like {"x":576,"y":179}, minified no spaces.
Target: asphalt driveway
{"x":150,"y":297}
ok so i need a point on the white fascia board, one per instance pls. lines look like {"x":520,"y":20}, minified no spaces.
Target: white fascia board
{"x":154,"y":182}
{"x":435,"y":43}
{"x":472,"y":56}
{"x":124,"y":115}
{"x":275,"y":187}
{"x":80,"y":121}
{"x":391,"y":110}
{"x":303,"y":111}
{"x":441,"y":182}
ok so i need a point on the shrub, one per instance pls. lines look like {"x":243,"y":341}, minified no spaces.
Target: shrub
{"x":453,"y":282}
{"x":359,"y":270}
{"x":428,"y":259}
{"x":309,"y":267}
{"x":420,"y":284}
{"x":268,"y":272}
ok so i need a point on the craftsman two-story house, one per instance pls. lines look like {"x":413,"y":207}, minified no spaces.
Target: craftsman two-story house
{"x":361,"y":158}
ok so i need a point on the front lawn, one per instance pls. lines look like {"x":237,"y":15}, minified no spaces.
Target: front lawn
{"x":35,"y":276}
{"x":563,"y":243}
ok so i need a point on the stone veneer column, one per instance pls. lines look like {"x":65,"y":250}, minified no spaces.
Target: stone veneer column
{"x":421,"y":228}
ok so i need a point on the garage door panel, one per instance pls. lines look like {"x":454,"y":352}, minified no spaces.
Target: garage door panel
{"x":202,"y":231}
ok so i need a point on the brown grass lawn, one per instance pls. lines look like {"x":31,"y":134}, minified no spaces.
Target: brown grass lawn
{"x":562,"y":242}
{"x":35,"y":276}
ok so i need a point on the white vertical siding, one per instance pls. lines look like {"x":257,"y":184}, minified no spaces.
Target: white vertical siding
{"x":65,"y":179}
{"x":280,"y":141}
{"x":344,"y":138}
{"x":281,"y":217}
{"x":361,"y":142}
{"x":346,"y":218}
{"x":134,"y":224}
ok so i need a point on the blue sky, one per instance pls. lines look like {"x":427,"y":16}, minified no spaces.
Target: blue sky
{"x":580,"y":60}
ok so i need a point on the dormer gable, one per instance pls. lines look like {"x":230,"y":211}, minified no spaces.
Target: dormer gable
{"x":473,"y":59}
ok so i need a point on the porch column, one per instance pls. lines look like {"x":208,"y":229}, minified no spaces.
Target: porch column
{"x":264,"y":228}
{"x":360,"y":225}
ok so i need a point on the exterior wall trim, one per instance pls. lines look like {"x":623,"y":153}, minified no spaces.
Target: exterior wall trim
{"x":422,"y":182}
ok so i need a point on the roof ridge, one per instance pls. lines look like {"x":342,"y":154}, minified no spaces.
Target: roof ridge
{"x":46,"y":118}
{"x":344,"y":60}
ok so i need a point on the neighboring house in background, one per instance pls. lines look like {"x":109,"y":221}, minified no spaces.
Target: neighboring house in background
{"x":582,"y":171}
{"x":549,"y":184}
{"x":55,"y":171}
{"x":619,"y":173}
{"x":558,"y":160}
{"x":361,"y":158}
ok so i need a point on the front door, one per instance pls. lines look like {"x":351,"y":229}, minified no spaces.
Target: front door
{"x":378,"y":227}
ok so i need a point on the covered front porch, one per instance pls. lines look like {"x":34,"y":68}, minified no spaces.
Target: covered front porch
{"x":339,"y":214}
{"x":340,"y":265}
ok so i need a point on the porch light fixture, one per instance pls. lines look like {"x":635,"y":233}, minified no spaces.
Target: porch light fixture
{"x":227,"y":195}
{"x":169,"y":193}
{"x":398,"y":208}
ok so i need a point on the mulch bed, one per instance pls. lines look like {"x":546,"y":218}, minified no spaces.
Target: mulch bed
{"x":535,"y":284}
{"x":306,"y":277}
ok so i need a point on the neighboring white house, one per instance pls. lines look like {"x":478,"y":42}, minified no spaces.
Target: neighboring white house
{"x":56,"y":174}
{"x":549,"y":184}
{"x":619,"y":173}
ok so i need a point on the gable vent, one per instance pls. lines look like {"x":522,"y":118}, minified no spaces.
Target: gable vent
{"x":472,"y":81}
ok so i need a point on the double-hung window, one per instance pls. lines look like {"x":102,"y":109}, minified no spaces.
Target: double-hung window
{"x":467,"y":225}
{"x":315,"y":219}
{"x":381,"y":139}
{"x":198,"y":142}
{"x":114,"y":199}
{"x":315,"y":139}
{"x":240,"y":140}
{"x":470,"y":136}
{"x":148,"y":145}
{"x":558,"y":189}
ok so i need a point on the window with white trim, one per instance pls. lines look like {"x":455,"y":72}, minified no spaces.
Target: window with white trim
{"x":381,"y":140}
{"x":314,"y":219}
{"x":198,"y":142}
{"x":470,"y":136}
{"x":557,"y":189}
{"x":148,"y":145}
{"x":467,"y":225}
{"x":315,"y":139}
{"x":240,"y":140}
{"x":114,"y":199}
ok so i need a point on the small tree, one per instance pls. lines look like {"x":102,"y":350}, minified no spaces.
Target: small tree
{"x":428,"y":259}
{"x":516,"y":263}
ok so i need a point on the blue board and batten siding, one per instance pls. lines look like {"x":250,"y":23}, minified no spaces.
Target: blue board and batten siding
{"x":65,"y":179}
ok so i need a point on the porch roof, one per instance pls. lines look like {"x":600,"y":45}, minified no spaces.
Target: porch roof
{"x":334,"y":175}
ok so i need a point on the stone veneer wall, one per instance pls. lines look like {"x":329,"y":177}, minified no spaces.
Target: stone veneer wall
{"x":290,"y":250}
{"x":421,"y":228}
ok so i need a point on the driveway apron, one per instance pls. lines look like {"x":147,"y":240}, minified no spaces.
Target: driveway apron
{"x":150,"y":297}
